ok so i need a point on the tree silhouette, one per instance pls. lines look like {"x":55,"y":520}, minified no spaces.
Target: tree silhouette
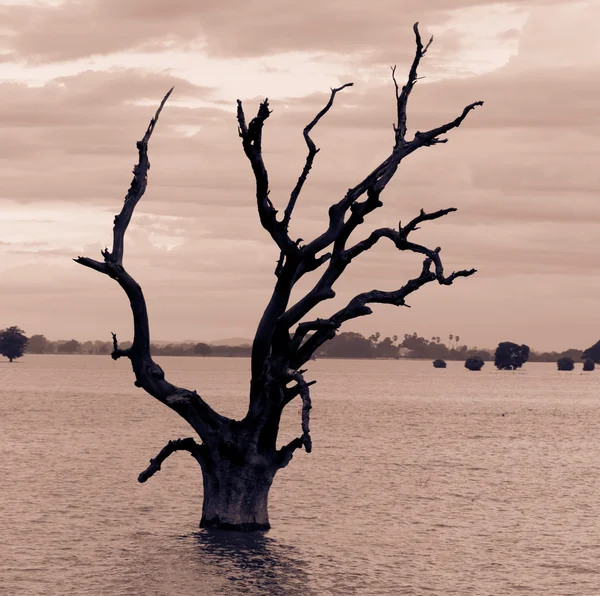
{"x":201,"y":349}
{"x":565,"y":363}
{"x":38,"y":344}
{"x":589,"y":365}
{"x":510,"y":356}
{"x":592,"y":353}
{"x":69,"y":347}
{"x":474,"y":363}
{"x":12,"y":343}
{"x":239,"y":458}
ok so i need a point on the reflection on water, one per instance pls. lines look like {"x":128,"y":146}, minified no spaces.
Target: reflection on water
{"x":252,"y":563}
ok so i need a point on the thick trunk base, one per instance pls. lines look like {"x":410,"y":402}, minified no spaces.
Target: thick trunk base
{"x":217,"y":524}
{"x":236,"y":498}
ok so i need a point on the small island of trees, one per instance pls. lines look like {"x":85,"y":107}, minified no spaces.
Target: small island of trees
{"x":510,"y":356}
{"x":565,"y":363}
{"x":474,"y":363}
{"x":12,"y":343}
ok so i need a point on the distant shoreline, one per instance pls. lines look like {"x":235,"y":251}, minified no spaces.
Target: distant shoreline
{"x":247,"y":356}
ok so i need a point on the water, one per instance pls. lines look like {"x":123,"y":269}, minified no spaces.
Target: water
{"x":421,"y":482}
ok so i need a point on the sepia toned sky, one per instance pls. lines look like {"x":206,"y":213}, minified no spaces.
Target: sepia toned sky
{"x":79,"y":81}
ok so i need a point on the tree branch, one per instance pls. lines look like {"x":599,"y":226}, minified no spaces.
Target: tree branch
{"x":285,"y":454}
{"x":357,"y":307}
{"x":312,"y":151}
{"x":251,"y":136}
{"x":304,"y":328}
{"x":302,"y":387}
{"x":291,"y":392}
{"x":136,"y":189}
{"x":177,"y":445}
{"x":149,"y":375}
{"x":118,"y":353}
{"x":378,"y":179}
{"x":402,"y":97}
{"x":430,"y":137}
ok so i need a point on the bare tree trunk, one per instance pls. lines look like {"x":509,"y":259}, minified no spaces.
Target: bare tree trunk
{"x":237,"y":470}
{"x":236,"y":496}
{"x":239,"y":458}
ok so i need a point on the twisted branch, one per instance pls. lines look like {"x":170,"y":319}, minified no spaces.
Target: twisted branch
{"x":312,"y":151}
{"x":303,"y":391}
{"x":377,"y":180}
{"x":402,"y":97}
{"x":251,"y":136}
{"x":177,"y":445}
{"x":358,"y":306}
{"x":148,"y":374}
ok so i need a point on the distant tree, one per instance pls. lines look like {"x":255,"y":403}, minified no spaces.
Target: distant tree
{"x":348,"y":345}
{"x":565,"y":363}
{"x":69,"y":347}
{"x":375,"y":337}
{"x":474,"y":363}
{"x":451,"y":337}
{"x":88,"y":347}
{"x":573,"y":353}
{"x":592,"y":353}
{"x":510,"y":356}
{"x":439,"y":363}
{"x":202,"y":349}
{"x":457,"y":339}
{"x":386,"y":349}
{"x":12,"y":343}
{"x":589,"y":365}
{"x":102,"y":347}
{"x":240,"y":458}
{"x":418,"y":346}
{"x":38,"y":344}
{"x":483,"y":354}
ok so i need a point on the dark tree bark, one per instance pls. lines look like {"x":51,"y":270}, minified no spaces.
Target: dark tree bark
{"x":239,"y":459}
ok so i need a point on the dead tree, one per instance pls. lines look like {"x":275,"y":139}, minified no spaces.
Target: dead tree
{"x":239,"y":458}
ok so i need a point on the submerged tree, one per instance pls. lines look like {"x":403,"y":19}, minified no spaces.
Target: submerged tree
{"x":439,"y":363}
{"x":589,"y":365}
{"x":474,"y":363}
{"x":510,"y":356}
{"x":12,"y":343}
{"x":239,"y":458}
{"x":565,"y":363}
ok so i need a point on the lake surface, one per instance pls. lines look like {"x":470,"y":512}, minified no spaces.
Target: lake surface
{"x":421,"y":482}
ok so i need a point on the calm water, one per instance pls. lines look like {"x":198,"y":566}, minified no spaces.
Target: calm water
{"x":421,"y":482}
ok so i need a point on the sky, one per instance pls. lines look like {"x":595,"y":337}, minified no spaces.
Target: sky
{"x":79,"y":82}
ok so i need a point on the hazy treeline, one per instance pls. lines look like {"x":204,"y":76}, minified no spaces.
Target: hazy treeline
{"x":38,"y":344}
{"x":344,"y":345}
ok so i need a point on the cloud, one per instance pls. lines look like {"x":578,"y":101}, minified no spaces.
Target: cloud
{"x":227,"y":28}
{"x":521,"y":169}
